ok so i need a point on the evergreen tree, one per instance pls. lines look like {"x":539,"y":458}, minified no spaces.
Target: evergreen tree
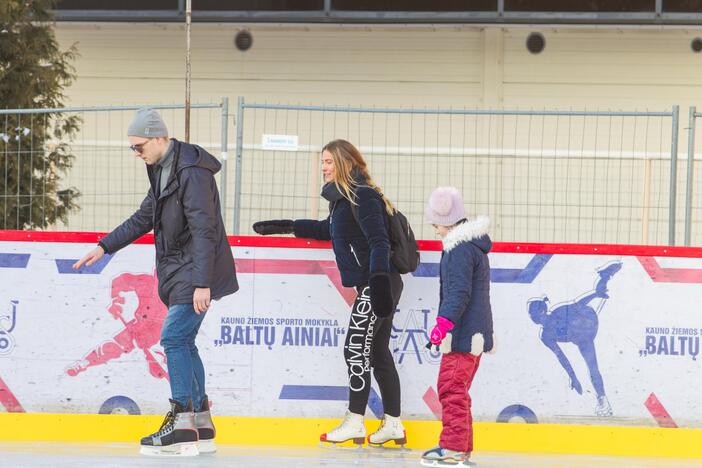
{"x":34,"y":152}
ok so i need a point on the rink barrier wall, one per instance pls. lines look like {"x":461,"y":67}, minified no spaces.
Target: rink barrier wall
{"x":677,"y":442}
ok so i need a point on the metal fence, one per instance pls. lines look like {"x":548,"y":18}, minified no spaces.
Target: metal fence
{"x":693,"y":198}
{"x":109,"y":180}
{"x":542,"y":176}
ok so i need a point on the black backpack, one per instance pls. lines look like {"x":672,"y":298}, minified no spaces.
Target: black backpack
{"x":404,"y":251}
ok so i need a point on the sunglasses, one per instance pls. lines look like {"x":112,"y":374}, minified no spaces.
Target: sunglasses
{"x":138,"y":148}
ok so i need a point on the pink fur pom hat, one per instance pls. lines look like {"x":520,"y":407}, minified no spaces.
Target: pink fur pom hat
{"x":445,"y":207}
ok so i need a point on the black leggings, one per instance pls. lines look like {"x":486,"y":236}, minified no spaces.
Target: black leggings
{"x":368,"y":345}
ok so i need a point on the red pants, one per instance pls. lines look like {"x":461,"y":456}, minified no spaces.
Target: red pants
{"x":455,"y":377}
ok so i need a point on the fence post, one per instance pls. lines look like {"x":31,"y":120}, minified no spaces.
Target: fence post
{"x":673,"y":175}
{"x":223,"y":148}
{"x":690,"y":174}
{"x":645,"y":215}
{"x":237,"y":173}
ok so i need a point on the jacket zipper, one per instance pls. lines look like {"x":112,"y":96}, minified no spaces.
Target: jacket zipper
{"x":354,"y":255}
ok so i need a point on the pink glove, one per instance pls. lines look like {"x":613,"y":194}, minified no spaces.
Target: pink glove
{"x":438,"y":333}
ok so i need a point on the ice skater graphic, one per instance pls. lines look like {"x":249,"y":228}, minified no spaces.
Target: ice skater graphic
{"x":143,"y":331}
{"x":7,"y":324}
{"x":577,"y":322}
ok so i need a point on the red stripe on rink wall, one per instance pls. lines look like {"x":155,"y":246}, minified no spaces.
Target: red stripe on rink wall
{"x":8,"y":400}
{"x":431,"y":398}
{"x":659,"y":413}
{"x":425,"y":245}
{"x":298,"y":267}
{"x":670,"y":275}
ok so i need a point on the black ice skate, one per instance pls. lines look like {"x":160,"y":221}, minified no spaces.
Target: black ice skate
{"x":177,"y":435}
{"x":205,"y":428}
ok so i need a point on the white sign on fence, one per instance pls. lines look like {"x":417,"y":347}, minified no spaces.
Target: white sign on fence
{"x":279,"y":142}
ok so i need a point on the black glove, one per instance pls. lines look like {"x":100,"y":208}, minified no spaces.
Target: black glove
{"x":274,"y":226}
{"x":381,"y":295}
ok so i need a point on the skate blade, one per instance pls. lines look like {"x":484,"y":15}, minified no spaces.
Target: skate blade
{"x":425,"y":462}
{"x":350,"y":444}
{"x":392,"y":444}
{"x":188,"y":449}
{"x":206,"y":446}
{"x":442,"y":463}
{"x":387,"y":449}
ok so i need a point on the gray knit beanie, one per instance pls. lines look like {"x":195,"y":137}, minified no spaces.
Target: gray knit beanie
{"x":147,"y":123}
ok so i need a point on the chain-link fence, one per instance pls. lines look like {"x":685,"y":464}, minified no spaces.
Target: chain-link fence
{"x":104,"y":182}
{"x":542,"y":176}
{"x":693,"y":194}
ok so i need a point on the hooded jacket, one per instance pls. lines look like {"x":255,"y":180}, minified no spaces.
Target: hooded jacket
{"x":192,"y":250}
{"x":361,"y":248}
{"x":465,"y":286}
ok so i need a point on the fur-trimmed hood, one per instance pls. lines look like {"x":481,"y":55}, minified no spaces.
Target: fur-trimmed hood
{"x":475,"y":231}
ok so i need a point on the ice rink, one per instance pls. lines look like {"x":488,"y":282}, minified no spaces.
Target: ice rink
{"x":64,"y":455}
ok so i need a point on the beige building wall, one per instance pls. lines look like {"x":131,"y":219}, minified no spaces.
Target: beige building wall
{"x":413,"y":66}
{"x":594,"y":67}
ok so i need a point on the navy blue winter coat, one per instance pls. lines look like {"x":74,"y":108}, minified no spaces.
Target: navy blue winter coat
{"x":465,"y":286}
{"x":362,"y":248}
{"x":192,"y":250}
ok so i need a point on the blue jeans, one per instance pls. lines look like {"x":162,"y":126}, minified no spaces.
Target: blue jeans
{"x":185,"y":370}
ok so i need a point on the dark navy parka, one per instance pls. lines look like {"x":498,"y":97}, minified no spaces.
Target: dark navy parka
{"x":192,"y":250}
{"x":361,"y":248}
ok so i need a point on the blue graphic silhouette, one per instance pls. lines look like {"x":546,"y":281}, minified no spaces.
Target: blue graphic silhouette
{"x":577,"y":323}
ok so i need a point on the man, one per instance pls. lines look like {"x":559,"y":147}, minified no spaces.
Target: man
{"x":194,"y":264}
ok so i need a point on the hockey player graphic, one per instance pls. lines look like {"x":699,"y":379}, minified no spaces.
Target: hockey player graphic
{"x":577,"y":322}
{"x":143,"y":331}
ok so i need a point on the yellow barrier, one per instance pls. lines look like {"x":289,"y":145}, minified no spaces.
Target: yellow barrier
{"x":499,"y":437}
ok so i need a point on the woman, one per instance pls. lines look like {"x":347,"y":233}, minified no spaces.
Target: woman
{"x":357,"y":225}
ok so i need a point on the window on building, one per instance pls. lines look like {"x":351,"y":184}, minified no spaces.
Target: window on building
{"x":604,"y":6}
{"x":682,"y":6}
{"x":414,"y":5}
{"x":258,"y":5}
{"x":117,"y":5}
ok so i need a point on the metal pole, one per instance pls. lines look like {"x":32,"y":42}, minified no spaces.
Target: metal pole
{"x":224,"y":143}
{"x":237,"y":173}
{"x":646,"y":216}
{"x":188,"y":20}
{"x":673,"y":175}
{"x":690,"y":175}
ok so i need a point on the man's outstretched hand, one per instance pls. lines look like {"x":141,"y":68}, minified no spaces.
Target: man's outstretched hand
{"x":90,"y":258}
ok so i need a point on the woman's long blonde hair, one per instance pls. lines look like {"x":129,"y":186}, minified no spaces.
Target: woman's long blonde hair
{"x":346,"y":158}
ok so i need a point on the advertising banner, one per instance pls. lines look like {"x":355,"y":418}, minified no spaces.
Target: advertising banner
{"x":582,"y":336}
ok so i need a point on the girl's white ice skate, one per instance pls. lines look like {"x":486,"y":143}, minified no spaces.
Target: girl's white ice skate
{"x":444,"y":457}
{"x":351,"y":428}
{"x":390,"y":430}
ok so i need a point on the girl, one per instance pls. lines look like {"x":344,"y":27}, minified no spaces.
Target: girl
{"x":463,"y":328}
{"x":357,"y":226}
